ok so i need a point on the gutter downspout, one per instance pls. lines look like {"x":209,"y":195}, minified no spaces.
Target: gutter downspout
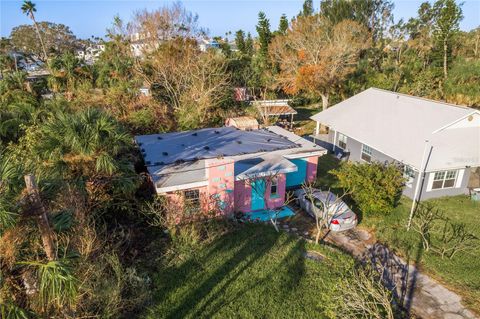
{"x":334,"y":140}
{"x":421,"y":174}
{"x":317,"y":128}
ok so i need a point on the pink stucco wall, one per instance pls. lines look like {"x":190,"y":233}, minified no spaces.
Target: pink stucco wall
{"x":243,"y":199}
{"x":221,"y":180}
{"x":225,"y":195}
{"x":312,"y":163}
{"x":279,"y":199}
{"x":176,"y":202}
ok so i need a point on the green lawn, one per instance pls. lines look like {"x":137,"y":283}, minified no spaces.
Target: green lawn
{"x":250,"y":272}
{"x":462,"y":273}
{"x":303,"y":123}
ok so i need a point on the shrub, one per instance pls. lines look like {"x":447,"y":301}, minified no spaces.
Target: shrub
{"x":375,"y":187}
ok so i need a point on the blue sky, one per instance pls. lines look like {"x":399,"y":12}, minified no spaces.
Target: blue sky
{"x":87,"y":18}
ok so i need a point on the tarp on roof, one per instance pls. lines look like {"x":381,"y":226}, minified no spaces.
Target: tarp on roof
{"x":398,"y":125}
{"x":168,"y":148}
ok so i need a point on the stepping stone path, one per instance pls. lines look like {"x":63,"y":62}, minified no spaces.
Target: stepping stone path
{"x":422,"y":295}
{"x":425,"y":297}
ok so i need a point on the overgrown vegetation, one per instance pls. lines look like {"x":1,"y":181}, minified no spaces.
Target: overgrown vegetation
{"x":375,"y":187}
{"x":104,"y":245}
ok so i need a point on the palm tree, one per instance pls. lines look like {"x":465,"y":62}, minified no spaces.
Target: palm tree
{"x":28,"y":8}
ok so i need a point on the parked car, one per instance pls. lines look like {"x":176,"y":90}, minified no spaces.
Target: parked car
{"x":340,"y":216}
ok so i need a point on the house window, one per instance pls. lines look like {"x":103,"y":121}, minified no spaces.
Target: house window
{"x":274,"y":188}
{"x":444,"y":179}
{"x":366,"y":153}
{"x":409,"y":175}
{"x":342,"y":141}
{"x":192,"y":197}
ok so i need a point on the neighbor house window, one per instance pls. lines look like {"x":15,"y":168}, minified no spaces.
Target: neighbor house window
{"x":444,"y":179}
{"x":409,"y":175}
{"x":366,"y":153}
{"x":192,"y":197}
{"x":274,"y":187}
{"x":342,"y":141}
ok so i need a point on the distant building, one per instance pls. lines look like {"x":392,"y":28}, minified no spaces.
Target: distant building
{"x":242,"y":123}
{"x":205,"y":44}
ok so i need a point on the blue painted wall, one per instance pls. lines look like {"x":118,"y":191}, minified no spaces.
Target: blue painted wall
{"x":298,"y":177}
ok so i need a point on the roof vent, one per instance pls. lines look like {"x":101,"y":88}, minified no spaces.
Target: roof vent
{"x":206,"y":148}
{"x":165,"y":153}
{"x":239,"y":142}
{"x":195,"y":134}
{"x":159,"y":137}
{"x":140,"y":144}
{"x":142,"y":150}
{"x":269,"y":139}
{"x":217,"y":132}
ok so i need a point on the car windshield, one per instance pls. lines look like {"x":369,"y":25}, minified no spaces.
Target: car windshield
{"x":318,"y":203}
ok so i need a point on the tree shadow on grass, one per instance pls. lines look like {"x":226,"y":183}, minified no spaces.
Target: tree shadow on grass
{"x":293,"y":263}
{"x":399,"y":276}
{"x":241,"y":249}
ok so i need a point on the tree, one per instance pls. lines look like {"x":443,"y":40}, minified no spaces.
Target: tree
{"x":447,"y":16}
{"x":283,"y":25}
{"x":57,"y":38}
{"x":324,"y":211}
{"x":315,"y":57}
{"x":240,"y":41}
{"x":307,"y":9}
{"x":28,"y":8}
{"x":376,"y":15}
{"x":375,"y":187}
{"x":362,"y":294}
{"x":264,"y":35}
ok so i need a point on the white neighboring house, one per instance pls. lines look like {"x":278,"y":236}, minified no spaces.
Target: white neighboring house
{"x":205,"y":44}
{"x":91,"y":53}
{"x":437,"y":143}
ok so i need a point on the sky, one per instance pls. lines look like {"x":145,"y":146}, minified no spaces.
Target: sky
{"x":86,"y":18}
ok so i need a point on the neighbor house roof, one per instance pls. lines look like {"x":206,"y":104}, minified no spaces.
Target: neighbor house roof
{"x":177,"y":160}
{"x":398,"y":125}
{"x":274,"y":107}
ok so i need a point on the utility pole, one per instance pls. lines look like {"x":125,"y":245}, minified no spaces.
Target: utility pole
{"x":40,"y":215}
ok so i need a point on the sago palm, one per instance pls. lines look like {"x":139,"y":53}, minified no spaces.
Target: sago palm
{"x":88,"y":148}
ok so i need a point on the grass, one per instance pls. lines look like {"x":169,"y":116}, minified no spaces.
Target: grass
{"x":461,"y":274}
{"x":251,"y":272}
{"x":303,"y":123}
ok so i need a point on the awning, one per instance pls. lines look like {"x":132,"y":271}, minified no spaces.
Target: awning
{"x":263,"y":166}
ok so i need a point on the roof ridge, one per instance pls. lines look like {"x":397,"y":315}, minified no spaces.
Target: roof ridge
{"x":422,"y":98}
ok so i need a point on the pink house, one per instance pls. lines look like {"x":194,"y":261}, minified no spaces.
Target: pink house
{"x":226,"y":170}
